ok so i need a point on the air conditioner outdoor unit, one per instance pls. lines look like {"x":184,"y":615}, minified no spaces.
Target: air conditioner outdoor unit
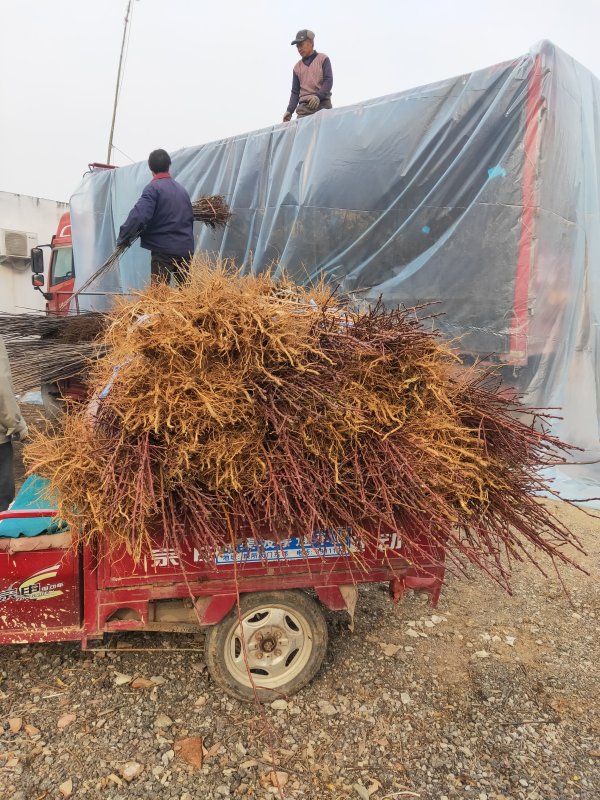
{"x":15,"y":245}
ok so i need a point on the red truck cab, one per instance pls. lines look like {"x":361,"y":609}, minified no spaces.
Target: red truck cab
{"x":61,"y":272}
{"x":58,"y":292}
{"x":59,"y":288}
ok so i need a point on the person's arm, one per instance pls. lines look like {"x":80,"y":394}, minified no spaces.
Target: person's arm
{"x":139,"y":216}
{"x":327,"y":84}
{"x":295,"y":94}
{"x":11,"y":421}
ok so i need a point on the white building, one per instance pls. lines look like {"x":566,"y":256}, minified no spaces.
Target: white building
{"x":25,"y":222}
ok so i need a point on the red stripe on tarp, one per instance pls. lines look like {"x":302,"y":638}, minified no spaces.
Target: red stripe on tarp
{"x":520,"y":321}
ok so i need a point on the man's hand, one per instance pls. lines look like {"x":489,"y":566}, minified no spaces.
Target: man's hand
{"x":313,"y":102}
{"x":287,"y":116}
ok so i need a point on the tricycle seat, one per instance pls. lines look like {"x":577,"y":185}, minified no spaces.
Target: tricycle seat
{"x":22,"y":544}
{"x":26,"y":520}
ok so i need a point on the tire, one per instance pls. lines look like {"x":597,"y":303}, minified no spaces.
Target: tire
{"x":285,"y":643}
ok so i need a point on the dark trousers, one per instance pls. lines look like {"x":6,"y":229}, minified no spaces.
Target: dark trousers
{"x":7,"y":476}
{"x":303,"y":110}
{"x":163,"y":266}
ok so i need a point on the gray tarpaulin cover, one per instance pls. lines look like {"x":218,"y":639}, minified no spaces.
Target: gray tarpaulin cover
{"x":481,"y":192}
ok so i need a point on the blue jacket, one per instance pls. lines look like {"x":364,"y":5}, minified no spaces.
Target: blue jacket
{"x":164,"y":217}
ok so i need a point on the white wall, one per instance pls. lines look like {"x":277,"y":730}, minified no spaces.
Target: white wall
{"x":20,"y":212}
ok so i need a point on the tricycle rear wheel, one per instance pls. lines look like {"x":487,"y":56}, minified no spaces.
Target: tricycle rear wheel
{"x":272,"y":645}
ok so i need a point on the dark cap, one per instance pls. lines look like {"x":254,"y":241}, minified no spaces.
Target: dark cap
{"x":302,"y":36}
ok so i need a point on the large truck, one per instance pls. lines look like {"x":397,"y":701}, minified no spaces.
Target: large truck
{"x":478,"y":193}
{"x":436,"y":194}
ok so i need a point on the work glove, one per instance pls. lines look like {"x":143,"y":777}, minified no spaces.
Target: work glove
{"x":287,"y":116}
{"x":313,"y":102}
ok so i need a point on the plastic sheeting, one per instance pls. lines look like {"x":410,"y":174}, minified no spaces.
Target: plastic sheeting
{"x":479,"y":193}
{"x":33,"y":494}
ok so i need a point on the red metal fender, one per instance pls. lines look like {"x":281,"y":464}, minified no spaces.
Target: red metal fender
{"x":339,"y":598}
{"x":214,"y":608}
{"x":429,"y":581}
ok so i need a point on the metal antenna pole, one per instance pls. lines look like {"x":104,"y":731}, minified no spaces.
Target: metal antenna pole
{"x":117,"y":87}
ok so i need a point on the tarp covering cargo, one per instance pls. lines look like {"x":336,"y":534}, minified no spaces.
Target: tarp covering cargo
{"x":480,"y":192}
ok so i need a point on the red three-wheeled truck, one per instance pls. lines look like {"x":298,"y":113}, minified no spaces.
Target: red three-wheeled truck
{"x":260,"y":603}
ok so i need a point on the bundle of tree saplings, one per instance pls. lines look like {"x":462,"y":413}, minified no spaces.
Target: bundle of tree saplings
{"x":50,"y":347}
{"x":241,"y":406}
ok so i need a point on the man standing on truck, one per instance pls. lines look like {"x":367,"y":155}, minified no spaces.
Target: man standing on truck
{"x":312,"y":79}
{"x":12,"y":427}
{"x":164,"y":220}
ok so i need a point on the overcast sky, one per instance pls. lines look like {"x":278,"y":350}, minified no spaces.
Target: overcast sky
{"x":196,"y":71}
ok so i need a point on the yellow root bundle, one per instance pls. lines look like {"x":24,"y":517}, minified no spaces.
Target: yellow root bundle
{"x":239,"y":403}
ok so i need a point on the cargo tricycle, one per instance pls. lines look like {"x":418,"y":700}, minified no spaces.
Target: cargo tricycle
{"x":260,"y":603}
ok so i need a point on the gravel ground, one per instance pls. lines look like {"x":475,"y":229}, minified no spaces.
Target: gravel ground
{"x":485,"y":697}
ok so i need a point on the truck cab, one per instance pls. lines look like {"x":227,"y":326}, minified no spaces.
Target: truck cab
{"x":61,"y":271}
{"x":59,"y":288}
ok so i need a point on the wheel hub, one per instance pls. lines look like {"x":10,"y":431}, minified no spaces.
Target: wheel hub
{"x":268,"y":644}
{"x":273,"y":644}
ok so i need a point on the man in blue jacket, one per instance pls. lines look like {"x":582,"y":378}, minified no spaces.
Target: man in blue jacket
{"x":164,"y":220}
